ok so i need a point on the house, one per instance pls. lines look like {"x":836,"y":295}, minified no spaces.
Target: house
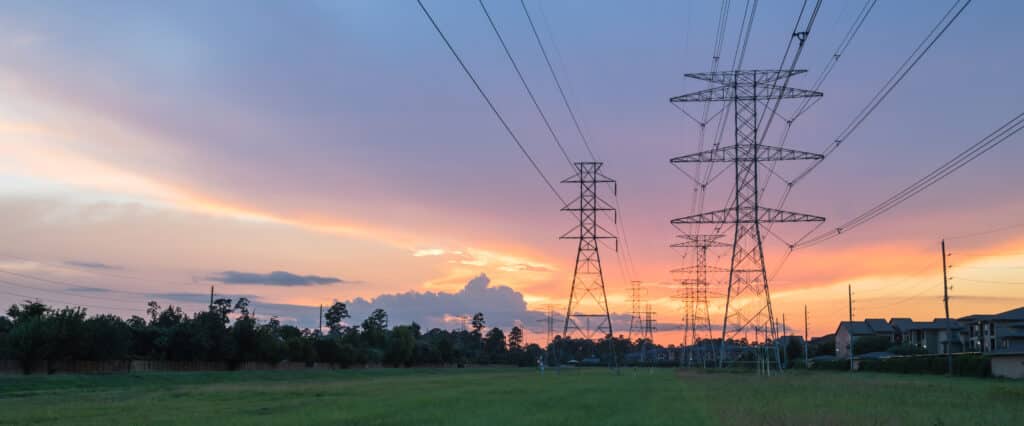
{"x":997,"y":332}
{"x":851,"y":331}
{"x":930,"y":336}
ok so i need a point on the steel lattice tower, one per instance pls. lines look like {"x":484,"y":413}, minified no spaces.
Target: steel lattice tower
{"x":587,"y":297}
{"x":694,"y":290}
{"x":748,"y":301}
{"x":637,"y":321}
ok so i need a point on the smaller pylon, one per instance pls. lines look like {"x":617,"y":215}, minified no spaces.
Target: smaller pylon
{"x":637,"y":324}
{"x":693,"y":292}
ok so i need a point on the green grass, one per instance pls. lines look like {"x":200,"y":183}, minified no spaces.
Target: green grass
{"x":507,"y":397}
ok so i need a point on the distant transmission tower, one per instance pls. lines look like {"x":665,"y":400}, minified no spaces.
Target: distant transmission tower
{"x":637,"y":295}
{"x":694,"y":294}
{"x":748,"y":301}
{"x":587,"y":313}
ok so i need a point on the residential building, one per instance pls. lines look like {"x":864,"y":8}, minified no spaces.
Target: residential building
{"x":930,"y":336}
{"x":991,"y":333}
{"x":851,"y":331}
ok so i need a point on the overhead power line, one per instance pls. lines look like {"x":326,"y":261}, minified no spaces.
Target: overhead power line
{"x":1004,"y":132}
{"x":558,"y":84}
{"x":922,"y":48}
{"x":526,"y":86}
{"x":490,"y":104}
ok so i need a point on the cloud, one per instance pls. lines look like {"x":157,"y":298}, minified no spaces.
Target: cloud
{"x":518,"y":267}
{"x":275,"y":278}
{"x":501,"y":305}
{"x":90,"y":265}
{"x":428,"y":252}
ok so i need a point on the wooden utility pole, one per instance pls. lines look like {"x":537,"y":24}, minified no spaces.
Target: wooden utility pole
{"x":805,"y":336}
{"x":211,"y":297}
{"x":849,"y":299}
{"x":320,"y":320}
{"x":945,"y":301}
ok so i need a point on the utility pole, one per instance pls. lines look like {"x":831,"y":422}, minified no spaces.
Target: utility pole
{"x":587,"y":296}
{"x":746,"y":90}
{"x":849,"y":296}
{"x":945,"y":302}
{"x":211,"y":297}
{"x":785,"y":353}
{"x":320,"y":320}
{"x":805,"y":336}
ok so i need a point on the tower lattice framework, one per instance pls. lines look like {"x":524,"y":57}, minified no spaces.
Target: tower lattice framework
{"x":587,"y":313}
{"x":748,"y":300}
{"x":693,"y":292}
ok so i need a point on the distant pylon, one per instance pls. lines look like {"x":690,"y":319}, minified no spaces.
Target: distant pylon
{"x":637,"y":296}
{"x":587,"y":297}
{"x":549,"y":321}
{"x":748,"y":301}
{"x":694,"y":294}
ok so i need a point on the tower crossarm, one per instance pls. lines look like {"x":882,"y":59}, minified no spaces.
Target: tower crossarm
{"x":745,"y":76}
{"x":746,"y":215}
{"x":729,"y":154}
{"x":698,"y":268}
{"x":748,"y":93}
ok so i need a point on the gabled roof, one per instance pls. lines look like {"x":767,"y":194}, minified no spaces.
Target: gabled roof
{"x":1011,"y":315}
{"x":901,"y":323}
{"x":856,"y":328}
{"x":879,"y":325}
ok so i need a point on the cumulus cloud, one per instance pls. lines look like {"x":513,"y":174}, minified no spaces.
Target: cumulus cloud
{"x":501,"y":306}
{"x":275,"y":278}
{"x":89,"y":265}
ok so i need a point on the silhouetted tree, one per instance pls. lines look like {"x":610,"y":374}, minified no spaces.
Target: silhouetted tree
{"x":478,"y":323}
{"x":337,"y":313}
{"x":515,"y":339}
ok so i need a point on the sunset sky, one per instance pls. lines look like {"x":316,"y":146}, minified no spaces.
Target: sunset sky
{"x":150,"y":151}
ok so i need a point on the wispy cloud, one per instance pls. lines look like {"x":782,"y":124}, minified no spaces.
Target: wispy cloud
{"x":428,"y":252}
{"x":275,"y":278}
{"x":90,"y":265}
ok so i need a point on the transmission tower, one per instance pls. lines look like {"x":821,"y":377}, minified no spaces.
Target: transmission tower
{"x":587,"y":313}
{"x":637,"y":295}
{"x":693,"y":291}
{"x":748,"y":301}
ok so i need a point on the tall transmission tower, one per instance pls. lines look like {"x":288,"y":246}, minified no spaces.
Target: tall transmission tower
{"x":694,"y":294}
{"x":587,"y":314}
{"x":748,"y":301}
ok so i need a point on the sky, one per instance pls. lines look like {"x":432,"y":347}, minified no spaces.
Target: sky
{"x":304,"y":153}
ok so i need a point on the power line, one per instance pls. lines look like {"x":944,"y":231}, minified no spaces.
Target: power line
{"x":986,"y":232}
{"x":922,"y":48}
{"x":489,"y":103}
{"x":526,"y":86}
{"x":990,"y":281}
{"x":51,"y":300}
{"x":558,"y":84}
{"x":844,"y":44}
{"x":84,"y":288}
{"x":988,"y":142}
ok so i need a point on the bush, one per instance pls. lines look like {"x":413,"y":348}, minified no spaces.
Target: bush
{"x":973,"y":365}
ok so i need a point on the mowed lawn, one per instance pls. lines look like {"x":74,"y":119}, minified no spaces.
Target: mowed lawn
{"x":508,"y":396}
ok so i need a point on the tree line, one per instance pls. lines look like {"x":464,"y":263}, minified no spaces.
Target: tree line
{"x":228,"y":332}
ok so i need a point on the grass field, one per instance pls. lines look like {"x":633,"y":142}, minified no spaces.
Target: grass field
{"x":508,"y":397}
